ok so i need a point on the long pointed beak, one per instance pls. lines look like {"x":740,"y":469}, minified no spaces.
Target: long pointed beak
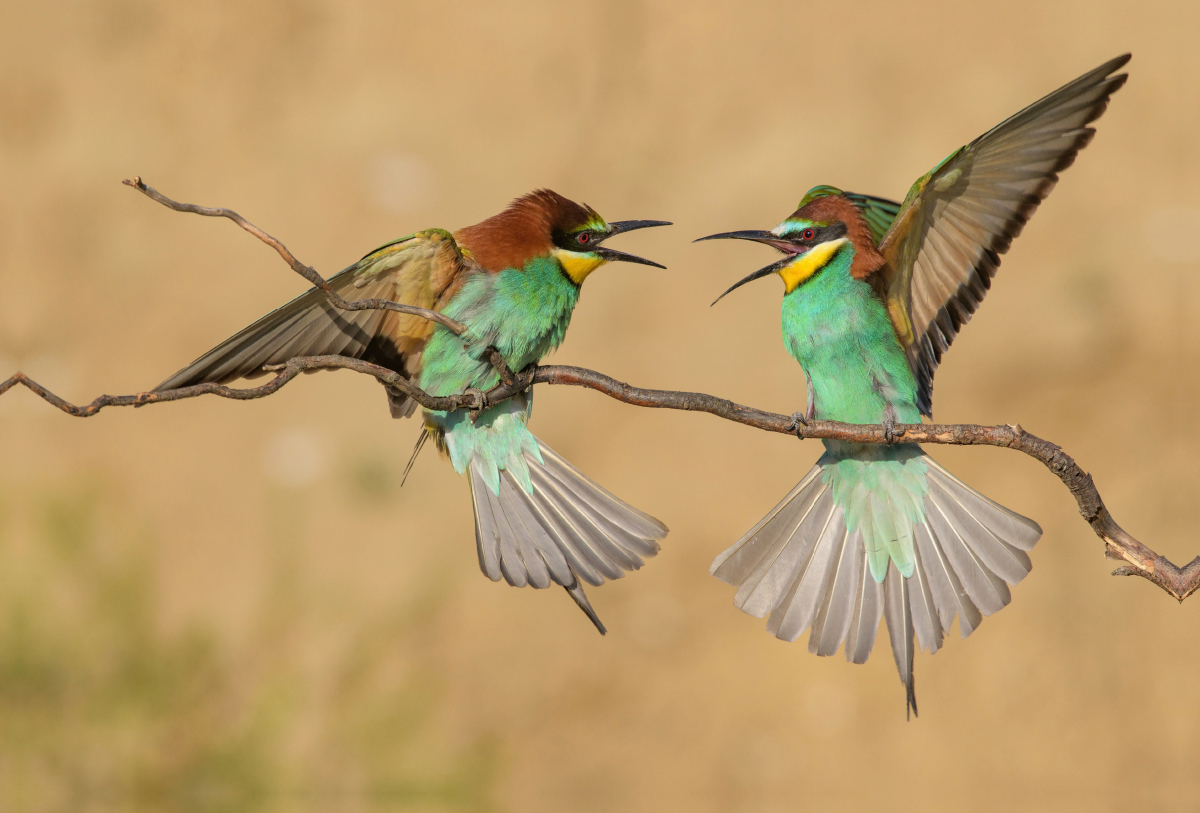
{"x":765,"y":237}
{"x":614,"y":256}
{"x":620,"y":227}
{"x":757,"y":236}
{"x":769,"y":238}
{"x":759,"y":274}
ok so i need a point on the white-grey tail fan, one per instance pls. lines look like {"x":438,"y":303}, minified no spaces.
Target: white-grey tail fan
{"x":803,"y":567}
{"x":568,"y":530}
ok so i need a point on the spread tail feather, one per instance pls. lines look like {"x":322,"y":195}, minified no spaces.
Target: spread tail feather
{"x":804,"y":567}
{"x":898,"y":612}
{"x":566,"y":531}
{"x":575,"y":591}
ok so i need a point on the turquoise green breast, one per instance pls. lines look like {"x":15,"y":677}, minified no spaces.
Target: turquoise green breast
{"x":522,"y":313}
{"x":839,"y":331}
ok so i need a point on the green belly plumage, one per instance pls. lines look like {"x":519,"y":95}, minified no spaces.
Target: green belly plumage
{"x":840,"y":333}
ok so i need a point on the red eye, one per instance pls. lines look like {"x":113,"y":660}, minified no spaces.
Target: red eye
{"x":808,"y":234}
{"x":583,"y":238}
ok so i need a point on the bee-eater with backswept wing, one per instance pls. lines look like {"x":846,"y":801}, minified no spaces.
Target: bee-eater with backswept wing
{"x":874,"y":293}
{"x":513,"y":280}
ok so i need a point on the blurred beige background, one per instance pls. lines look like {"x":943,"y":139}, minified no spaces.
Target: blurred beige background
{"x":224,"y":606}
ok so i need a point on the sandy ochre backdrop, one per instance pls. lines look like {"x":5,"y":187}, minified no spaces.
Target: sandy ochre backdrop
{"x":228,"y":606}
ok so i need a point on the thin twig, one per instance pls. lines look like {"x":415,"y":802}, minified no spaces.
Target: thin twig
{"x":283,"y":374}
{"x":1139,"y":559}
{"x":306,"y":271}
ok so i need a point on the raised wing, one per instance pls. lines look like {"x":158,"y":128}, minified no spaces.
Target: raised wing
{"x":945,"y":244}
{"x":424,"y":269}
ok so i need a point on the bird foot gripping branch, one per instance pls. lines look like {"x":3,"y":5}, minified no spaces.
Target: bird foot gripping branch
{"x":890,"y":434}
{"x":797,"y":423}
{"x":478,"y":404}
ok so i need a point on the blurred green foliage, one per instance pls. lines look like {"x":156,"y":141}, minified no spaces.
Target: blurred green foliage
{"x":101,"y":709}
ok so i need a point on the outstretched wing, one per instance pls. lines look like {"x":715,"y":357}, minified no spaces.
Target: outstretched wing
{"x":424,"y":269}
{"x":945,"y":244}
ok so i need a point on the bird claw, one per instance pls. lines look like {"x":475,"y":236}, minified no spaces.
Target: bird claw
{"x":889,"y":427}
{"x":798,"y":420}
{"x":480,"y":401}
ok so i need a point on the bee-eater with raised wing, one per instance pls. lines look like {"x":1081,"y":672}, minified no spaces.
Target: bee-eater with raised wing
{"x":874,"y":293}
{"x":513,"y":280}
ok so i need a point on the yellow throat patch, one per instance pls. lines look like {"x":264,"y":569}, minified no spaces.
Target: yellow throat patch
{"x":808,"y":264}
{"x":577,"y":265}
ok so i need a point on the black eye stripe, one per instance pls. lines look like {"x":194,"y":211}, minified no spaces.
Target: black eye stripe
{"x":824,"y":234}
{"x":576,"y":240}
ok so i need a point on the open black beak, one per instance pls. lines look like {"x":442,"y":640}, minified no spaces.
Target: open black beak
{"x":767,"y":238}
{"x":759,"y":274}
{"x":620,"y":227}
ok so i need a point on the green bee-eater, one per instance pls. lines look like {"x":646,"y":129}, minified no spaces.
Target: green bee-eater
{"x":874,"y":293}
{"x":514,"y":281}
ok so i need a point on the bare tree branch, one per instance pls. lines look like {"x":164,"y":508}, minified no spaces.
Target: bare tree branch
{"x":1139,"y":560}
{"x":283,"y":374}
